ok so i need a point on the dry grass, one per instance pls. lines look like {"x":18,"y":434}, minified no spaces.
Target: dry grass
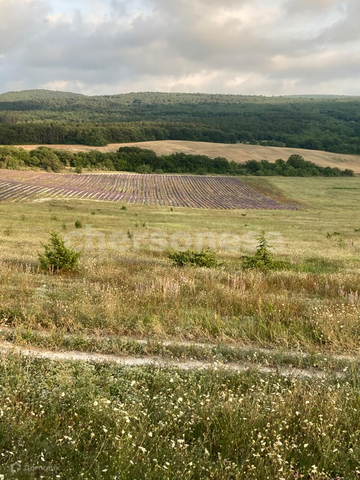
{"x":288,"y":310}
{"x":107,"y":421}
{"x":238,"y":153}
{"x":314,"y":306}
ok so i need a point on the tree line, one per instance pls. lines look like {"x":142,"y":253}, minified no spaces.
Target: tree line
{"x":102,"y":134}
{"x":318,"y":123}
{"x":134,"y":159}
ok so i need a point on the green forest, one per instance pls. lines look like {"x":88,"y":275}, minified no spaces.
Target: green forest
{"x":319,"y":123}
{"x":134,"y":159}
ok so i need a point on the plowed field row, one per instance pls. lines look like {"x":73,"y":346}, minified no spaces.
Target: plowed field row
{"x":169,"y":190}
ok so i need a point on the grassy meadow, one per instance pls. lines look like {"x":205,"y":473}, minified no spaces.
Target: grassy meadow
{"x":76,"y":420}
{"x":87,"y":421}
{"x":125,"y":288}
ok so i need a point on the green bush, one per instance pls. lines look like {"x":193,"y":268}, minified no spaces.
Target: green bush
{"x":143,"y":169}
{"x":263,"y":259}
{"x":78,"y":224}
{"x":57,"y":257}
{"x":205,"y":258}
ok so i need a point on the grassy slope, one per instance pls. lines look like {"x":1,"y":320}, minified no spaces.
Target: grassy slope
{"x":114,"y":294}
{"x":107,"y":422}
{"x":237,"y":153}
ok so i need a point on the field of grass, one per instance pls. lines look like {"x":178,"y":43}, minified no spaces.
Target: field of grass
{"x":108,"y":421}
{"x":127,"y":286}
{"x":239,"y":153}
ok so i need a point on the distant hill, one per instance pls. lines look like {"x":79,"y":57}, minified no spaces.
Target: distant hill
{"x":32,"y":95}
{"x":317,"y":122}
{"x":50,"y":97}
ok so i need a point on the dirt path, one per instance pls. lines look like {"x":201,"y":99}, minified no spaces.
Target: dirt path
{"x":189,"y":344}
{"x":132,"y":361}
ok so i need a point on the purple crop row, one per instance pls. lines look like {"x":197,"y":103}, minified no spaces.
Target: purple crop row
{"x":170,"y":190}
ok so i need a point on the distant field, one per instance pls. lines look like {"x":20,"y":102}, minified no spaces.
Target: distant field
{"x":237,"y":153}
{"x":171,"y":190}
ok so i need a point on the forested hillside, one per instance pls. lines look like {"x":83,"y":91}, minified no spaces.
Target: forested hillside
{"x":319,"y":123}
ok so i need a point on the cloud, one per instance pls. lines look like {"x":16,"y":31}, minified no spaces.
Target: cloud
{"x":19,"y":20}
{"x":235,"y":46}
{"x":304,"y":6}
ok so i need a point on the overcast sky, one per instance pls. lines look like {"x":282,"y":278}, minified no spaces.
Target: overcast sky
{"x":269,"y":47}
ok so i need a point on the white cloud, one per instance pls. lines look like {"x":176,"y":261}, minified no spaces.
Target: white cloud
{"x":235,"y":46}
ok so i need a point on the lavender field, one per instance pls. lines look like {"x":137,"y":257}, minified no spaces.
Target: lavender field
{"x":166,"y":190}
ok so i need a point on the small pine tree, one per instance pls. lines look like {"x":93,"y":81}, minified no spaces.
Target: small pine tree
{"x":57,"y":257}
{"x":263,"y":259}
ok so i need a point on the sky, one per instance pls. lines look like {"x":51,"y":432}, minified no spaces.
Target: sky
{"x":249,"y":47}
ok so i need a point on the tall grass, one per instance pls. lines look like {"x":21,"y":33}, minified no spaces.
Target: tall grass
{"x":286,"y":309}
{"x":106,"y":422}
{"x":312,"y":306}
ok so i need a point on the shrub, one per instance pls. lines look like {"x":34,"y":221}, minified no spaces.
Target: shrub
{"x":78,"y":224}
{"x":57,"y":257}
{"x":263,"y":259}
{"x":46,"y":158}
{"x":143,"y":169}
{"x":205,"y":258}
